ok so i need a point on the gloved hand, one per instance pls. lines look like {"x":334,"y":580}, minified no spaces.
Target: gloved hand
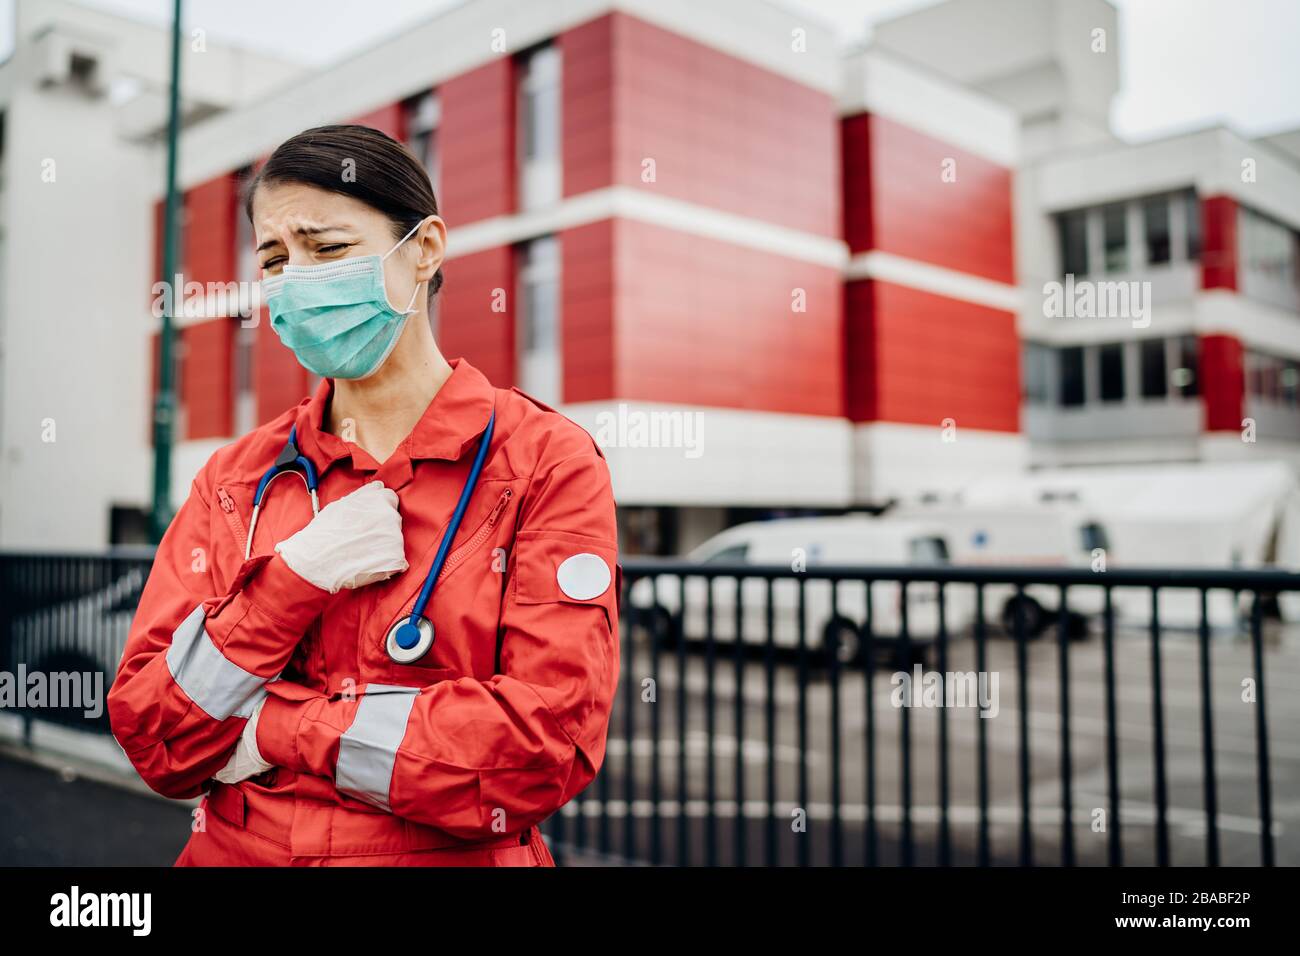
{"x":354,"y":541}
{"x":247,"y":760}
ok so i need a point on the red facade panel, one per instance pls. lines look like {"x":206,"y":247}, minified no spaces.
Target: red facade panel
{"x":159,"y":217}
{"x":859,"y":357}
{"x":704,"y":322}
{"x":586,"y":311}
{"x":1223,"y":382}
{"x":279,"y":382}
{"x":468,"y":325}
{"x":390,"y":119}
{"x":206,"y":388}
{"x":918,"y":358}
{"x":587,"y":106}
{"x":210,"y":210}
{"x":897,"y":200}
{"x":477,"y":139}
{"x":721,"y":132}
{"x":1219,"y":247}
{"x":855,"y":150}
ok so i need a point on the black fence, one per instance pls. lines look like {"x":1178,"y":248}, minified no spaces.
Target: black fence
{"x":855,"y":715}
{"x":68,"y":614}
{"x":809,"y":704}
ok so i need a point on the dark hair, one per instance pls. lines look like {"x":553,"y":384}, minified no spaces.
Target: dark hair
{"x":380,"y":171}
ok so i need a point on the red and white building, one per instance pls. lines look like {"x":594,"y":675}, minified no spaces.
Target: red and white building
{"x":742,"y":259}
{"x":1203,"y":226}
{"x":768,"y":274}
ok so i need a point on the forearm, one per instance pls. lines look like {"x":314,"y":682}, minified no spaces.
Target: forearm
{"x":187,"y":684}
{"x":467,"y":756}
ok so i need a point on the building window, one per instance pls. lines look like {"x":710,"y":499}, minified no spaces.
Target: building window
{"x":1155,"y":227}
{"x":245,"y":412}
{"x":1073,"y":229}
{"x":1184,"y":375}
{"x":1272,"y":379}
{"x":1290,"y":383}
{"x":1072,"y":391}
{"x":1036,"y":373}
{"x":1254,"y":375}
{"x":423,"y":116}
{"x":539,"y":320}
{"x":1154,"y":381}
{"x":1268,"y":247}
{"x":1111,"y":358}
{"x":1114,"y":221}
{"x":539,"y":128}
{"x":1192,"y":205}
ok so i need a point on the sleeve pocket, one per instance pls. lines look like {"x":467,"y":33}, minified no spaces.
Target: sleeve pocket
{"x":559,"y":566}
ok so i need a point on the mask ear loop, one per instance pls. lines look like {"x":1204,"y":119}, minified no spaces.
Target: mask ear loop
{"x":410,"y":305}
{"x":402,"y":240}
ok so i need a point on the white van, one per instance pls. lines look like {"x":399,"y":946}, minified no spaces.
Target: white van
{"x":806,"y":543}
{"x":1033,"y":535}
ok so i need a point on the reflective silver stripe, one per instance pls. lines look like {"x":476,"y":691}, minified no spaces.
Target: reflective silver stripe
{"x":246,"y":708}
{"x":368,"y":750}
{"x":219,"y":686}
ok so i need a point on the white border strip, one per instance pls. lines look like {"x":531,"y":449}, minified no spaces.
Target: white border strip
{"x":914,"y":274}
{"x":875,"y":82}
{"x":626,"y":202}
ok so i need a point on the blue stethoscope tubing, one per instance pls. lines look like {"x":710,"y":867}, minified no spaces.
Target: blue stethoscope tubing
{"x":409,"y":639}
{"x":287,"y":463}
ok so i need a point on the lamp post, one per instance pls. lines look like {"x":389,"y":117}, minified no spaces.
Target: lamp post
{"x":164,"y":406}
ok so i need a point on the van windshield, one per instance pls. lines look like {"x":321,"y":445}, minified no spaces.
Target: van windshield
{"x":734,"y":554}
{"x":927,"y":551}
{"x":1093,"y":536}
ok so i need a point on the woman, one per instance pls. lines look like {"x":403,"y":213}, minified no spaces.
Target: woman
{"x":338,"y":707}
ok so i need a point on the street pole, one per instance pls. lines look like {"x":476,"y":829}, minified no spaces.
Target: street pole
{"x":164,"y":407}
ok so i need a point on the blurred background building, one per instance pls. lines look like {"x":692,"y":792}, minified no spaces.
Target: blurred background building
{"x":830,"y":266}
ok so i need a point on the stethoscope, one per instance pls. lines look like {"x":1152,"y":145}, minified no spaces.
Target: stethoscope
{"x":409,"y":639}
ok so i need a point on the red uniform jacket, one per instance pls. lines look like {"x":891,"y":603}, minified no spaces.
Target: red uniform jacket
{"x":452,"y":759}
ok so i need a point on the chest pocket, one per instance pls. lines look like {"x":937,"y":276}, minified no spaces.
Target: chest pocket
{"x":465,"y":602}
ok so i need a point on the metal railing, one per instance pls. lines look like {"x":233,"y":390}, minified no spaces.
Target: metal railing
{"x":68,"y":613}
{"x":751,"y":724}
{"x":666,"y":640}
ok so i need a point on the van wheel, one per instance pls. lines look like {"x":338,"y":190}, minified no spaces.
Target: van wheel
{"x":840,"y":637}
{"x":1031,"y":613}
{"x":1076,"y":626}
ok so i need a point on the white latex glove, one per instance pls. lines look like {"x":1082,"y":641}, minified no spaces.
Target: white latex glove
{"x":247,"y":760}
{"x":354,"y":541}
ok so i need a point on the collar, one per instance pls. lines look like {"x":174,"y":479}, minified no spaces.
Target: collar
{"x":449,"y":427}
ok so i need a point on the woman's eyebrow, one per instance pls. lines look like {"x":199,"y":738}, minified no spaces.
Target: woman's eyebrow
{"x":305,"y":231}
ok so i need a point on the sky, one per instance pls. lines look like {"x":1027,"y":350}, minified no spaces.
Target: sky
{"x":1185,"y":63}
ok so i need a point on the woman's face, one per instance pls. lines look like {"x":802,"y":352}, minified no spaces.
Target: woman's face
{"x":301,"y":225}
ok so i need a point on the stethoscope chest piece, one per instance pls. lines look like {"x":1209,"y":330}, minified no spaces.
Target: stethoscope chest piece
{"x":409,"y":640}
{"x":411,"y":637}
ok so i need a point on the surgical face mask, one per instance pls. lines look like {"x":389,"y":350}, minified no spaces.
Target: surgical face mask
{"x":335,"y":316}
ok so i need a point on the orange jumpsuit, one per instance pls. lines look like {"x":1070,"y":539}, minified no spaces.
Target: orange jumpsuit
{"x":452,"y":760}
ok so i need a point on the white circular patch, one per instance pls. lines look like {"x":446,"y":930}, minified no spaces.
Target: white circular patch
{"x":583,"y":576}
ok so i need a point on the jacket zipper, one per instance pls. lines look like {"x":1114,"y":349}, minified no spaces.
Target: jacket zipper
{"x":480,"y":535}
{"x":233,"y":519}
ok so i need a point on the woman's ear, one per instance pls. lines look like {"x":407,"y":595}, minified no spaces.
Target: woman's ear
{"x":432,"y":242}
